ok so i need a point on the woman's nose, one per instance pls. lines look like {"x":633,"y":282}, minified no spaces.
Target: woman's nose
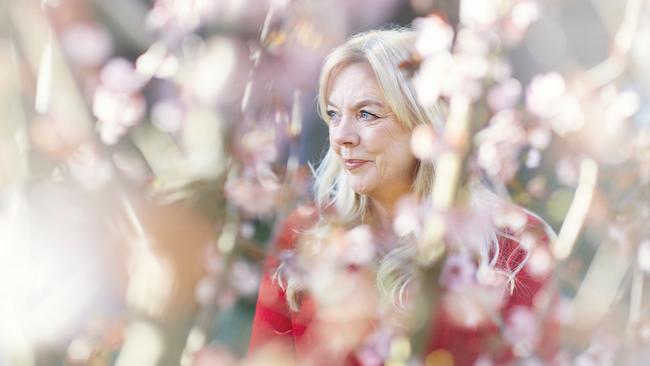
{"x":345,"y":134}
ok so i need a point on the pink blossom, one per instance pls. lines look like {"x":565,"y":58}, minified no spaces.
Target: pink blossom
{"x":434,"y":35}
{"x":602,"y":351}
{"x":458,"y":271}
{"x":468,"y":229}
{"x":500,"y":70}
{"x":433,"y":70}
{"x":463,"y":76}
{"x":168,"y":115}
{"x":360,"y":248}
{"x":540,"y":262}
{"x":524,"y":13}
{"x":510,"y":218}
{"x":411,"y":216}
{"x":157,"y":61}
{"x":247,"y":230}
{"x":376,"y":350}
{"x":475,"y":306}
{"x":119,"y":75}
{"x":644,"y":256}
{"x":118,"y":107}
{"x":244,"y":278}
{"x":369,"y":357}
{"x":472,"y":67}
{"x":539,"y":137}
{"x":87,"y":44}
{"x":547,"y":98}
{"x":117,"y":102}
{"x":214,"y":355}
{"x":566,"y":171}
{"x":537,"y":187}
{"x":479,"y":14}
{"x":253,"y":196}
{"x":224,"y":84}
{"x":175,"y":17}
{"x":81,"y":350}
{"x":213,"y":260}
{"x":258,"y":145}
{"x":521,"y":329}
{"x":484,"y":360}
{"x":205,"y":291}
{"x":543,"y":92}
{"x":568,"y":115}
{"x":625,"y":105}
{"x":425,"y":143}
{"x":499,"y":145}
{"x":110,"y":133}
{"x":472,"y":42}
{"x":89,"y":168}
{"x":504,"y":95}
{"x":117,"y":112}
{"x":533,"y":158}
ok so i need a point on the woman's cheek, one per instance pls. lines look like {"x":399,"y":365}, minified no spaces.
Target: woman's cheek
{"x":379,"y":173}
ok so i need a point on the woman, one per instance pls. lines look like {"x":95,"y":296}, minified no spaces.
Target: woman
{"x":367,"y":176}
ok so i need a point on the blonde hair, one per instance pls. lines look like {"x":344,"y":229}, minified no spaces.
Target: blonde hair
{"x":385,"y":51}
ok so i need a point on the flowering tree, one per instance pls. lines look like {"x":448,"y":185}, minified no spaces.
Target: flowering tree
{"x":151,"y":152}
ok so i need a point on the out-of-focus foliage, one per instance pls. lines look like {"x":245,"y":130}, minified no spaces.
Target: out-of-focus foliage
{"x":150,"y":151}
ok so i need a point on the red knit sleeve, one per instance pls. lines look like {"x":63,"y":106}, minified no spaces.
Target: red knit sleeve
{"x":273,"y":319}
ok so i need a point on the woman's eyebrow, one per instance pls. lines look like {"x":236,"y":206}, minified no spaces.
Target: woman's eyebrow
{"x":359,"y":104}
{"x":367,"y":102}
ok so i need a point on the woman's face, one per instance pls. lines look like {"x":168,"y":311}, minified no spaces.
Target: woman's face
{"x":372,"y":145}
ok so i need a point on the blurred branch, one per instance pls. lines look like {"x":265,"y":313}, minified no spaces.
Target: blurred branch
{"x":449,"y":166}
{"x":128,"y":16}
{"x":205,"y":320}
{"x":33,"y":31}
{"x":577,"y":211}
{"x":616,"y":64}
{"x":599,"y":287}
{"x":14,"y":164}
{"x":636,"y":302}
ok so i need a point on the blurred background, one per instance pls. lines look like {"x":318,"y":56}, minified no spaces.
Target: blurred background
{"x":150,"y":150}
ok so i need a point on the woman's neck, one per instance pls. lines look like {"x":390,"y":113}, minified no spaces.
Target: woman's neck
{"x":382,"y":214}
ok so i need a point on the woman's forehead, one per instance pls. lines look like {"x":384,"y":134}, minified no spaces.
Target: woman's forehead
{"x":355,"y":81}
{"x":358,"y":71}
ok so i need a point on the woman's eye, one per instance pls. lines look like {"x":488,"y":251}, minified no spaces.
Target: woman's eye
{"x":365,"y":115}
{"x":332,"y":115}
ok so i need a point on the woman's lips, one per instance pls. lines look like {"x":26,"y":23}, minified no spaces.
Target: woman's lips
{"x":351,"y":164}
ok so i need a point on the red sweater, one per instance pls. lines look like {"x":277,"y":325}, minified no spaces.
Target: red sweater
{"x":274,"y":321}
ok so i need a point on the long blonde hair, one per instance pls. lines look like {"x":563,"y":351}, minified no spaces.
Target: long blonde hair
{"x":385,"y":51}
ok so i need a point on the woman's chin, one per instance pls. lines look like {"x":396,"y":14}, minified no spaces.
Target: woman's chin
{"x":361,"y":189}
{"x":363,"y":183}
